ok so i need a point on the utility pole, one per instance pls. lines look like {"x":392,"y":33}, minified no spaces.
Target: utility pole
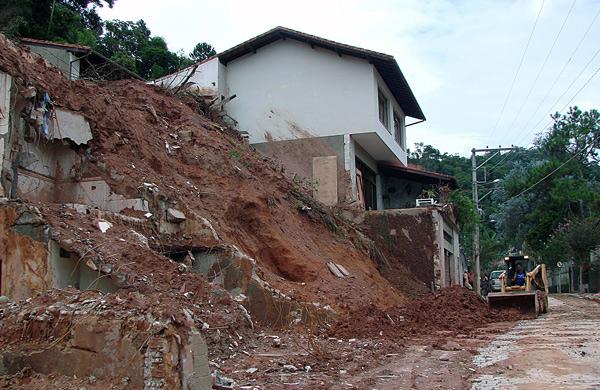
{"x":476,"y":248}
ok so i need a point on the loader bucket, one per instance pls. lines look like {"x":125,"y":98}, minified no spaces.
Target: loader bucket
{"x":525,"y":302}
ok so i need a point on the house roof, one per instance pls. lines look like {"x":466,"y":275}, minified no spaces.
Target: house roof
{"x":86,"y":51}
{"x":420,"y":175}
{"x":385,"y":64}
{"x":67,"y":46}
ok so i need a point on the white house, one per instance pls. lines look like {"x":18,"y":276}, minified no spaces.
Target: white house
{"x":330,"y":112}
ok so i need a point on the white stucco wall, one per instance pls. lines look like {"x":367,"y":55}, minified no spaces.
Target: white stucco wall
{"x":291,"y":91}
{"x":205,"y":77}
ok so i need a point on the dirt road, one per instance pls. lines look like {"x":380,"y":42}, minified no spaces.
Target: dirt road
{"x":559,"y":350}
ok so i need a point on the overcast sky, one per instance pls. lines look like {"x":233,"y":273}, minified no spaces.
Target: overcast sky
{"x":460,"y":57}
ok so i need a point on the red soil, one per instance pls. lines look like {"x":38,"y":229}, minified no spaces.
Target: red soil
{"x":453,"y":309}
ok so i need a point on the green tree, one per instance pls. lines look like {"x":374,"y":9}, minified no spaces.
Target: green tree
{"x":202,"y":51}
{"x":72,"y":21}
{"x":132,"y":45}
{"x":556,"y":186}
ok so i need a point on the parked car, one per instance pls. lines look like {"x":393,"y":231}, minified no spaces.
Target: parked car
{"x":495,"y":279}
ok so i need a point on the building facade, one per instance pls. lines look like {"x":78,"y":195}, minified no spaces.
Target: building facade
{"x":330,"y":112}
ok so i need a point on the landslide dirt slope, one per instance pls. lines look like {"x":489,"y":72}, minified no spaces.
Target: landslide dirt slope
{"x":143,"y":134}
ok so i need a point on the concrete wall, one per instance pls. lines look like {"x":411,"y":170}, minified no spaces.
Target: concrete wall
{"x":414,"y":238}
{"x":297,"y":156}
{"x":24,"y":266}
{"x":84,"y":345}
{"x":5,"y":91}
{"x":61,"y":58}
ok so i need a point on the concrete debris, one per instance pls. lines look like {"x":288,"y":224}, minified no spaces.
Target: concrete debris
{"x":69,"y":125}
{"x":241,"y":298}
{"x":342,"y":269}
{"x":338,"y":270}
{"x":175,"y":216}
{"x":451,"y":346}
{"x":276,"y":342}
{"x":289,"y":368}
{"x":221,"y":382}
{"x":104,"y":225}
{"x":252,"y":370}
{"x":143,"y":240}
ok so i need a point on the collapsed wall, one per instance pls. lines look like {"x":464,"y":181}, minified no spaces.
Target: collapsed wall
{"x":92,"y":335}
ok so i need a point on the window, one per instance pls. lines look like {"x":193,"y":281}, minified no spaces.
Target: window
{"x":383,"y":109}
{"x":399,"y":130}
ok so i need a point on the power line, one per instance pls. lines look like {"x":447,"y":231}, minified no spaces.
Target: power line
{"x":541,"y":70}
{"x":565,"y":92}
{"x":512,"y":84}
{"x":553,"y":171}
{"x":526,"y":125}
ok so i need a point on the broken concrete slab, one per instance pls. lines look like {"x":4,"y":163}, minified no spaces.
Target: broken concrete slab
{"x":338,"y":270}
{"x":104,"y":225}
{"x":175,"y":216}
{"x":70,"y":125}
{"x":342,"y":269}
{"x":194,"y":362}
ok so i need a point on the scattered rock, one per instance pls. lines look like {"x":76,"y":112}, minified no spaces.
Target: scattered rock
{"x":276,"y":342}
{"x":445,"y":357}
{"x":221,"y":382}
{"x":140,"y":237}
{"x":451,"y":346}
{"x":289,"y":368}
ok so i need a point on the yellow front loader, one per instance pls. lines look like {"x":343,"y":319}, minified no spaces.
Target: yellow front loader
{"x":531,"y":297}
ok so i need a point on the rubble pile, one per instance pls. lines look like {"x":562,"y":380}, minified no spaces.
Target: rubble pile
{"x":451,"y":309}
{"x":151,"y":145}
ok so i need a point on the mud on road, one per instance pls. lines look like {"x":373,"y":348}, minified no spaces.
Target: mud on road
{"x":559,"y":350}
